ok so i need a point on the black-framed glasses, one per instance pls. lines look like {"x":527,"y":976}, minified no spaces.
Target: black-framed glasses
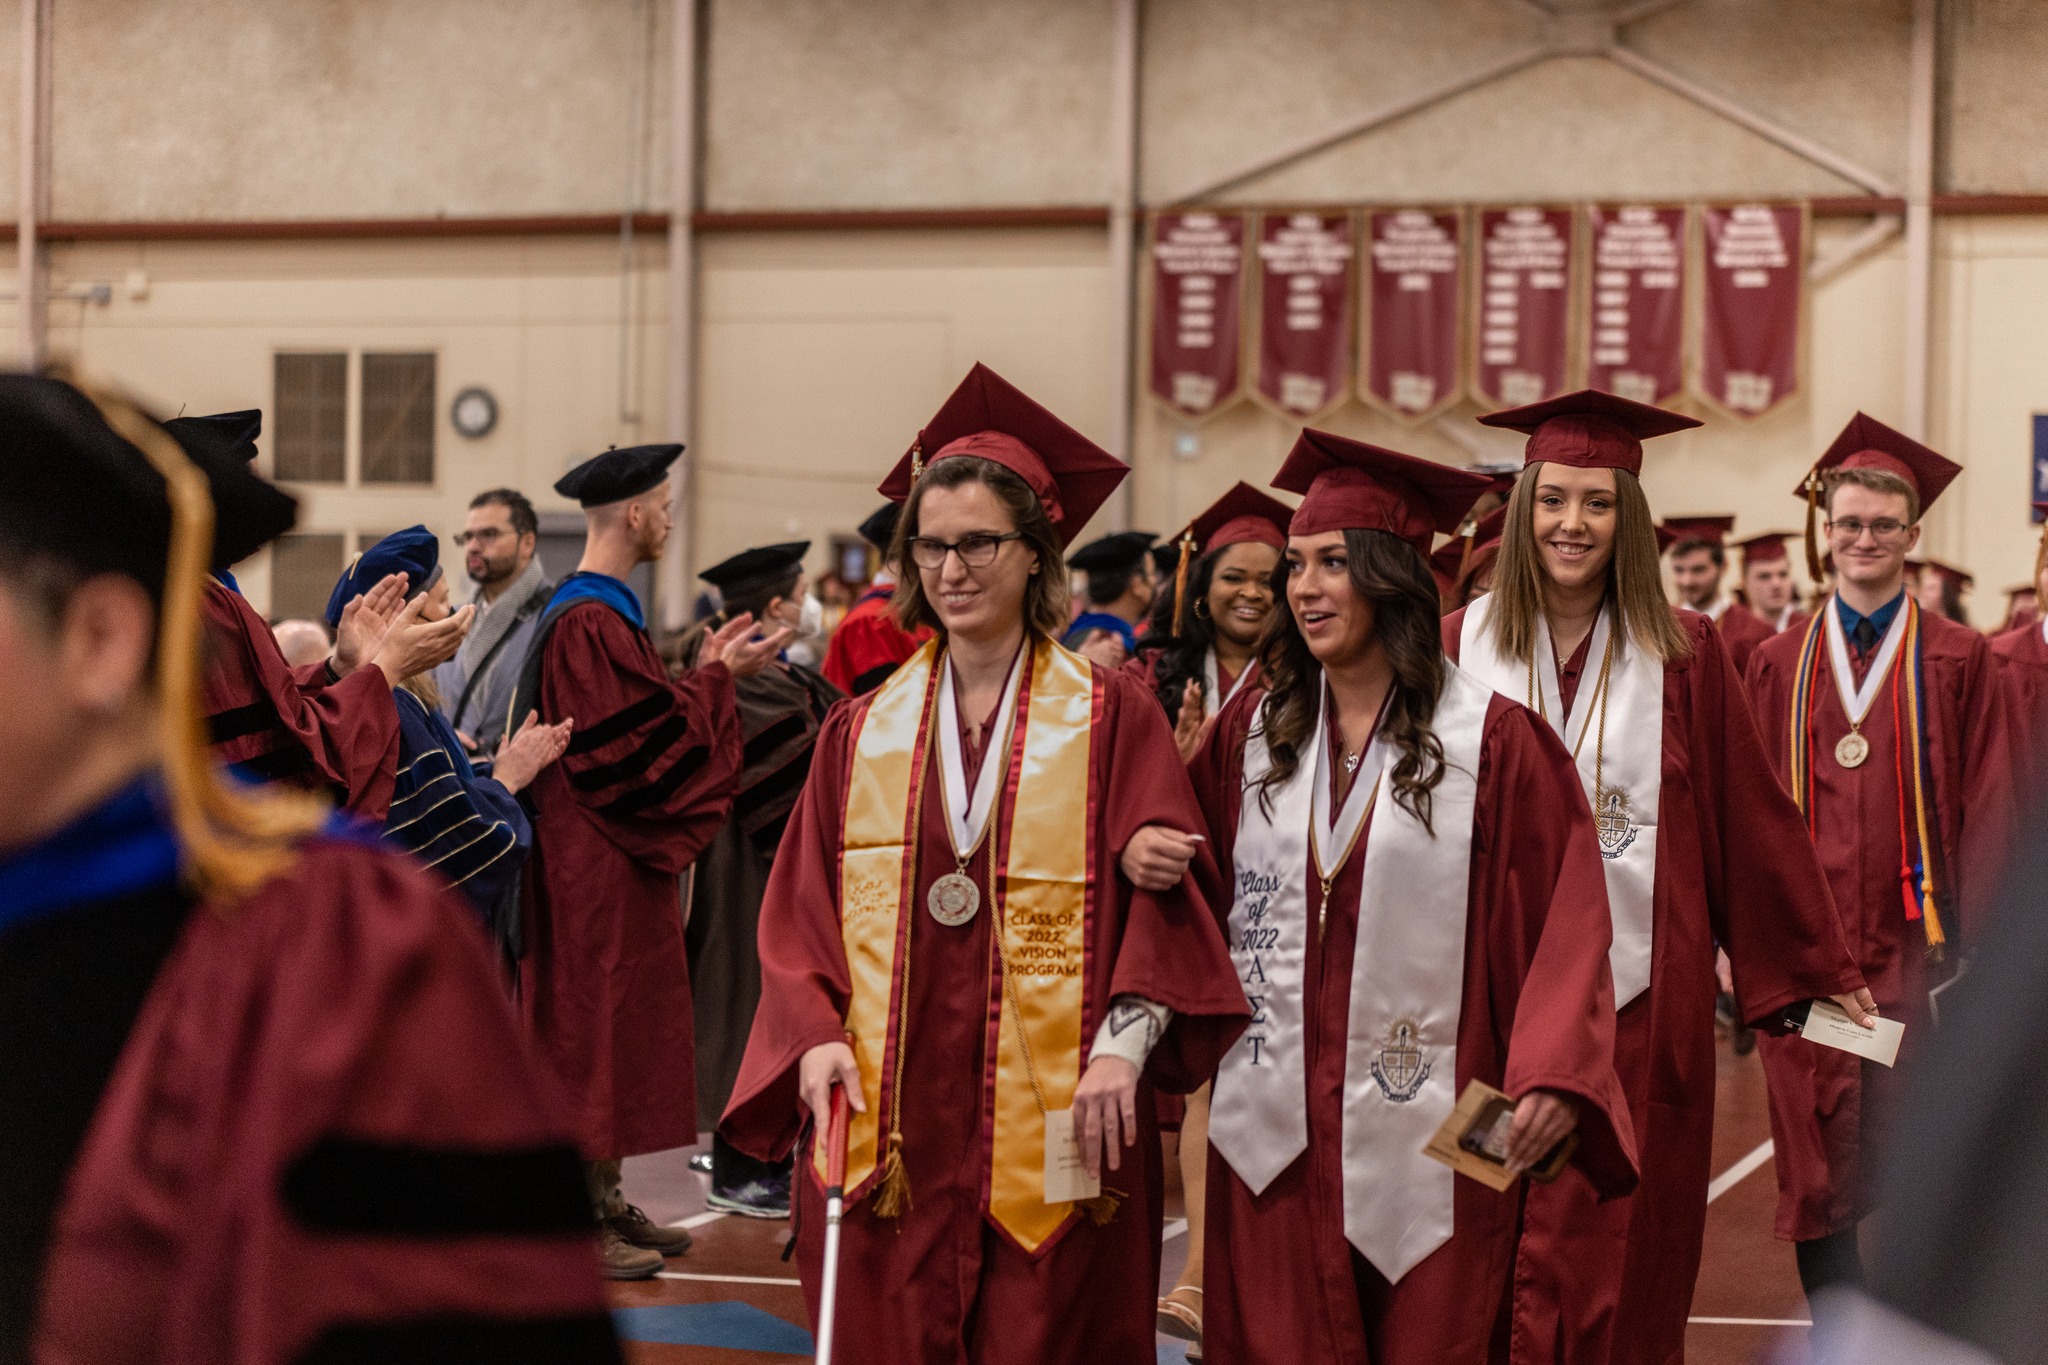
{"x":483,"y":536}
{"x":1850,"y":529}
{"x":977,"y":551}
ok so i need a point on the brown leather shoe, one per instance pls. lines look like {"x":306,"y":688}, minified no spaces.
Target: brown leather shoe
{"x":641,"y":1231}
{"x":624,"y":1261}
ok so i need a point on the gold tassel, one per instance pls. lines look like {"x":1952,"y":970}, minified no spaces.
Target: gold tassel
{"x":1102,"y":1208}
{"x":232,"y":840}
{"x":1813,"y":570}
{"x":1180,"y":582}
{"x":892,"y":1197}
{"x":916,"y":459}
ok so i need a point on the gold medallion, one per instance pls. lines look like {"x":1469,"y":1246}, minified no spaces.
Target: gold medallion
{"x":1851,"y":749}
{"x":954,"y":898}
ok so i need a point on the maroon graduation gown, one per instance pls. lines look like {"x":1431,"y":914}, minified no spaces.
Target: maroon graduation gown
{"x":1742,"y":630}
{"x":646,"y":782}
{"x":1734,"y":868}
{"x":2022,"y":655}
{"x":285,"y":724}
{"x":323,"y":1128}
{"x":868,"y":645}
{"x":941,"y":1284}
{"x":1825,"y":1104}
{"x":1282,"y":1283}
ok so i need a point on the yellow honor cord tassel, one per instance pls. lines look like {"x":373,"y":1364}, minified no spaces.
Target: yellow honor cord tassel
{"x":1180,"y":583}
{"x":1930,"y":914}
{"x":1101,"y":1209}
{"x":892,"y":1196}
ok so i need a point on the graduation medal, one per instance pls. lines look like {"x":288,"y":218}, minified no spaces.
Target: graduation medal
{"x":953,"y":899}
{"x":1851,"y":749}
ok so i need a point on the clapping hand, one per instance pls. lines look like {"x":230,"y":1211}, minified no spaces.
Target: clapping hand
{"x":522,"y":756}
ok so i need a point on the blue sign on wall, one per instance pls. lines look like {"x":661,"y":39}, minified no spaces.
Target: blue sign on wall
{"x":2040,"y":493}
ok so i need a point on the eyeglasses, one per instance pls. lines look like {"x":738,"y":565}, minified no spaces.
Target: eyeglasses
{"x":1884,"y":530}
{"x":464,"y":539}
{"x":975,"y":551}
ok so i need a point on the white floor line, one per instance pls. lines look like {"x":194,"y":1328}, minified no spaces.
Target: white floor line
{"x":1735,"y":1174}
{"x":700,"y":1220}
{"x":722,"y":1279}
{"x":1177,"y":1228}
{"x":1751,"y":1322}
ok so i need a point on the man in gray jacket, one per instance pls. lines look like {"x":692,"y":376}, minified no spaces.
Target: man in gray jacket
{"x":511,"y":590}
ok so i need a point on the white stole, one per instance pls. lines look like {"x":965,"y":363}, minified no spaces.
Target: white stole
{"x":1407,"y":985}
{"x":1856,"y":700}
{"x":1213,"y":693}
{"x":1630,"y":765}
{"x":967,"y":813}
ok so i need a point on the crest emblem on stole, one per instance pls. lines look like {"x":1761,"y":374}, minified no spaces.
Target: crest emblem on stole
{"x":1401,"y":1068}
{"x":1611,"y":821}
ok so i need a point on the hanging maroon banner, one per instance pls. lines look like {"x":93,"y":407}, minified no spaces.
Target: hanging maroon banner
{"x":1413,"y":340}
{"x":1637,"y":335}
{"x":1304,"y":274}
{"x":1197,"y":311}
{"x":1754,"y":269}
{"x":1525,"y":263}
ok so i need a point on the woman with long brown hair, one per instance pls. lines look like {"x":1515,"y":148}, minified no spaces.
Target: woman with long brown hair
{"x":1699,"y":842}
{"x":980,"y":924}
{"x":1404,"y":929}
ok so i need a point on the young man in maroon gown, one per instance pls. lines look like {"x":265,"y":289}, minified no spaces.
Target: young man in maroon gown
{"x":953,"y":994}
{"x":1888,"y":726}
{"x":1403,"y":928}
{"x":1767,"y":582}
{"x":263,"y":1098}
{"x":646,"y":782}
{"x":868,"y":645}
{"x":328,"y":726}
{"x":1699,"y":566}
{"x":1699,"y":846}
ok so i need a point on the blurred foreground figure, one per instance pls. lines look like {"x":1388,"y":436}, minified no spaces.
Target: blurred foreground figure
{"x":263,"y":1099}
{"x":980,"y":924}
{"x":1956,"y":1277}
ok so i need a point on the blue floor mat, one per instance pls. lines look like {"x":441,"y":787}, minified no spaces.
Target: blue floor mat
{"x":738,"y":1326}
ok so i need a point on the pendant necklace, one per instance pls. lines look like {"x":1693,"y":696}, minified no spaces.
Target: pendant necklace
{"x":954,"y":899}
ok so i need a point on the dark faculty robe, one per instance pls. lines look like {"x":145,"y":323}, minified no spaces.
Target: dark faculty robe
{"x":298,"y":1128}
{"x":1826,"y":1105}
{"x":941,"y":1283}
{"x":1283,"y":1283}
{"x":644,"y":785}
{"x":1733,"y":868}
{"x":275,"y":723}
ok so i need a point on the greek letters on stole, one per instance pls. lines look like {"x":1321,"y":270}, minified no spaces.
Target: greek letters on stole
{"x":1042,"y":900}
{"x":1624,"y":749}
{"x":1407,"y":988}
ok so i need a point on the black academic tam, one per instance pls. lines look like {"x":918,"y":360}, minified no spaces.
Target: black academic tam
{"x":756,"y":568}
{"x":1119,"y":552}
{"x":617,"y":474}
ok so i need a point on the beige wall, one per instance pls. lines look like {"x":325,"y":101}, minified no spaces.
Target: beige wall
{"x":819,"y":353}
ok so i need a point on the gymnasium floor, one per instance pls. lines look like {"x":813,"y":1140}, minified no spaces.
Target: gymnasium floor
{"x":733,"y":1301}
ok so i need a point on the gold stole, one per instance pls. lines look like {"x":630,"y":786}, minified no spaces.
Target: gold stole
{"x":1041,"y":899}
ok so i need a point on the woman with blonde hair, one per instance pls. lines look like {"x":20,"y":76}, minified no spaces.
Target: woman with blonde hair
{"x":1700,"y":845}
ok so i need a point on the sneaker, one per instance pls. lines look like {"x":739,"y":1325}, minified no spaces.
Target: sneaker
{"x":701,"y":1163}
{"x":755,"y":1199}
{"x":1180,"y":1316}
{"x":624,"y":1261}
{"x":637,"y":1229}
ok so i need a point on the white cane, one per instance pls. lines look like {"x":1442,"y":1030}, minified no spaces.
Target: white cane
{"x":835,"y":1203}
